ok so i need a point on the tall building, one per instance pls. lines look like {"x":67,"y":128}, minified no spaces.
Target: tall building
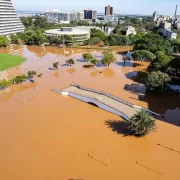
{"x":80,"y":15}
{"x":155,"y":15}
{"x":9,"y":21}
{"x":108,"y":10}
{"x":176,"y":11}
{"x":90,"y":14}
{"x":52,"y":16}
{"x":111,"y":11}
{"x":55,"y":16}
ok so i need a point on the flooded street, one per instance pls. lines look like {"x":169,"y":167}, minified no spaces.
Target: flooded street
{"x":46,"y":136}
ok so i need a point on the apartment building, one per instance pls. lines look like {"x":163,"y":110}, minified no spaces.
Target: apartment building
{"x":9,"y":20}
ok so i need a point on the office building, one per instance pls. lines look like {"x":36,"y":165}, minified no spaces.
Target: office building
{"x":169,"y":34}
{"x":64,"y":16}
{"x":52,"y":16}
{"x":55,"y":16}
{"x":108,"y":10}
{"x":111,"y":11}
{"x":90,"y":14}
{"x":80,"y":16}
{"x":9,"y":21}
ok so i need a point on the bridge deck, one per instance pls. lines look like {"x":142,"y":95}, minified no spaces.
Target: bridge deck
{"x":129,"y":111}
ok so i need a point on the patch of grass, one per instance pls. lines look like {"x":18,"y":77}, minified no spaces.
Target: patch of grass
{"x":7,"y":61}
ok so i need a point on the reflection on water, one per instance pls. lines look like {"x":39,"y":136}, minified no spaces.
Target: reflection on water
{"x":56,"y":74}
{"x":71,"y":70}
{"x":9,"y":92}
{"x":172,"y":116}
{"x":108,"y":72}
{"x":95,"y":73}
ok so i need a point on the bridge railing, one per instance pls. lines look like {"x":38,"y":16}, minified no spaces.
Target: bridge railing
{"x":113,"y":97}
{"x":104,"y":93}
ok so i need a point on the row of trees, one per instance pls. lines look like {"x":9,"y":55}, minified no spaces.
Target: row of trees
{"x":162,"y":69}
{"x":108,"y":58}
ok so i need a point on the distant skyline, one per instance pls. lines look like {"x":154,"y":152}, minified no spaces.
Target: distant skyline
{"x":146,"y":7}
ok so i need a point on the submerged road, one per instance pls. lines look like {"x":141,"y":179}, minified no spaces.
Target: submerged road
{"x":102,"y":100}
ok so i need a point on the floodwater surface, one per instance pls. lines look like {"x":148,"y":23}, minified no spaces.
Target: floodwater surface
{"x":46,"y":136}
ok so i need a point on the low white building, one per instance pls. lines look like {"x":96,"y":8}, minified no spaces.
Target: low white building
{"x":169,"y":34}
{"x":166,"y":25}
{"x":130,"y":30}
{"x":77,"y":33}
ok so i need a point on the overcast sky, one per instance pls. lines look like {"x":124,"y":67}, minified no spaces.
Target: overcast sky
{"x":166,"y":7}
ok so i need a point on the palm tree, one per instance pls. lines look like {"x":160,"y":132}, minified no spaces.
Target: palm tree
{"x":141,"y":123}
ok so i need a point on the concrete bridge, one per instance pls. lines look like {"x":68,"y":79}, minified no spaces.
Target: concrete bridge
{"x":102,"y":100}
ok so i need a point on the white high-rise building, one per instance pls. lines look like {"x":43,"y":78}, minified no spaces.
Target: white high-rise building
{"x":155,"y":16}
{"x":9,"y":21}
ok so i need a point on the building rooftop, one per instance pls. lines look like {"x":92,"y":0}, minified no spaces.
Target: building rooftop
{"x":74,"y":31}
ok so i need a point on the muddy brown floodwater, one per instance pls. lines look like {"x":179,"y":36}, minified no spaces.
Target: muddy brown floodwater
{"x":44,"y":135}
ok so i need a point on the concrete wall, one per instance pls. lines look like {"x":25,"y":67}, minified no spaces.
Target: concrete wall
{"x":10,"y":73}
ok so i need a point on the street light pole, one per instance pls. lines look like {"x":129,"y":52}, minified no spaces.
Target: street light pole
{"x":108,"y":156}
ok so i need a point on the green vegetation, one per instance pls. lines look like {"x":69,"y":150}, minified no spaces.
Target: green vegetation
{"x":14,"y":39}
{"x":58,"y":40}
{"x":93,"y":61}
{"x":160,"y":63}
{"x":3,"y":41}
{"x":153,"y":43}
{"x":70,"y":61}
{"x":87,"y":56}
{"x":33,"y":37}
{"x":156,"y":82}
{"x":93,"y":41}
{"x":31,"y":73}
{"x":7,"y":61}
{"x":4,"y":83}
{"x":115,"y":39}
{"x":143,"y":55}
{"x":20,"y":79}
{"x":176,"y":46}
{"x":141,"y":123}
{"x":109,"y":58}
{"x":97,"y":33}
{"x":55,"y":65}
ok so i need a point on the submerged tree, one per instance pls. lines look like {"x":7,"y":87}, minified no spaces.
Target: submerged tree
{"x":32,"y":73}
{"x":109,"y":58}
{"x":141,"y":123}
{"x":70,"y":61}
{"x":160,"y":63}
{"x":87,"y":56}
{"x":93,"y":61}
{"x":55,"y":65}
{"x":156,"y":82}
{"x":143,"y":55}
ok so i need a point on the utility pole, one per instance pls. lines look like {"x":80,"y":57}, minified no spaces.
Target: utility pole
{"x":109,"y":156}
